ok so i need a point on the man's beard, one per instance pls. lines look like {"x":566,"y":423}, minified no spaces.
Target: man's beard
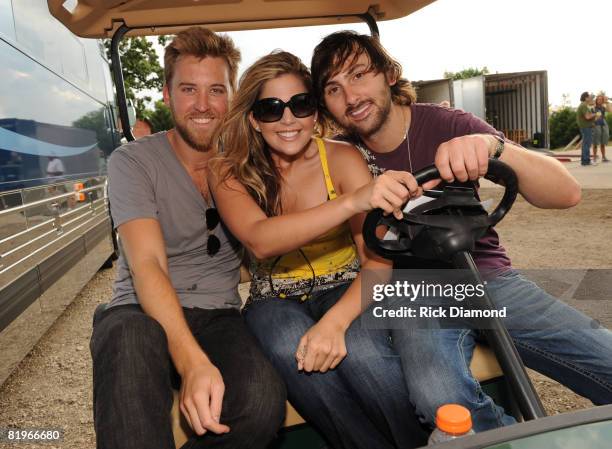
{"x":379,"y":118}
{"x":200,"y":143}
{"x":195,"y":141}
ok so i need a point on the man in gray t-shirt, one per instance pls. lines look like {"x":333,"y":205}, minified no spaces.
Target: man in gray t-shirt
{"x":174,"y":316}
{"x":147,"y":180}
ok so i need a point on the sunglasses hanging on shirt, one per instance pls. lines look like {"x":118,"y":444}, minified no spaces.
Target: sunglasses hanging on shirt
{"x":213,"y":244}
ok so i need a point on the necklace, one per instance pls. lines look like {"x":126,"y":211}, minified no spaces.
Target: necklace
{"x":406,"y":139}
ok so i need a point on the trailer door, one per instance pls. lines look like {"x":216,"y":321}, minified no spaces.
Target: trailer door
{"x":469,"y":95}
{"x":435,"y":91}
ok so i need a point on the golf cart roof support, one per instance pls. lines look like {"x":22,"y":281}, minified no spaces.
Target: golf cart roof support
{"x":119,"y":83}
{"x":370,"y":18}
{"x":117,"y":69}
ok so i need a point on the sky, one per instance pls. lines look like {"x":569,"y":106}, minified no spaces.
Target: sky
{"x":559,"y":36}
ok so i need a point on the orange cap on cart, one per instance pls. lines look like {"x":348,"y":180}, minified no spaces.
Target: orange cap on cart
{"x":453,"y":418}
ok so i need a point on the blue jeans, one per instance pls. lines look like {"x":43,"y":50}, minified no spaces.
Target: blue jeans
{"x":587,"y":141}
{"x":551,"y":337}
{"x":363,"y":403}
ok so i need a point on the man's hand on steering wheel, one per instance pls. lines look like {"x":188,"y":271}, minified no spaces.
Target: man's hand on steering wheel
{"x":498,"y":172}
{"x":465,"y":158}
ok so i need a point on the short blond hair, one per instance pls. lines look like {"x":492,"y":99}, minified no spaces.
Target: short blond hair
{"x":201,"y":42}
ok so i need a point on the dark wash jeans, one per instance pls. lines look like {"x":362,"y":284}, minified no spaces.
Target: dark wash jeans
{"x":133,"y":376}
{"x":363,"y":403}
{"x":587,"y":142}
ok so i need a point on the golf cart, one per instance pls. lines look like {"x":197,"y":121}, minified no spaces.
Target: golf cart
{"x":120,"y":18}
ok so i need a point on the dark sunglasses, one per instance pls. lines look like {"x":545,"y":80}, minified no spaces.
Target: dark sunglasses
{"x":272,"y":109}
{"x":213,"y":244}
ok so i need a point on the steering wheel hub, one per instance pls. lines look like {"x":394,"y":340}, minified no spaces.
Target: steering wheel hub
{"x":452,"y":222}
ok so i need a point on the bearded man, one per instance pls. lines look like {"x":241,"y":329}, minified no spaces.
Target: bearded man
{"x":361,"y":91}
{"x":174,"y":315}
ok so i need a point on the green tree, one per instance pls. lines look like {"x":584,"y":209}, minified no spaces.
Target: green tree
{"x":466,"y":73}
{"x":563,"y":127}
{"x":159,"y":118}
{"x":141,"y":69}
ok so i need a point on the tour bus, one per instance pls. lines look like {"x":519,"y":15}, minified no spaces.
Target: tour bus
{"x":57,"y":129}
{"x":96,"y":19}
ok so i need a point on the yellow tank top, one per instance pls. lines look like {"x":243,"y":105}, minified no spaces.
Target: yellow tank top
{"x":323,"y":263}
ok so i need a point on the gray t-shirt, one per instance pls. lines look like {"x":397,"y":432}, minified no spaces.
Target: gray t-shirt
{"x":146,"y":180}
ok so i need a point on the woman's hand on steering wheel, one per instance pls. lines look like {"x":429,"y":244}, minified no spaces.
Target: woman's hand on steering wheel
{"x":389,"y":192}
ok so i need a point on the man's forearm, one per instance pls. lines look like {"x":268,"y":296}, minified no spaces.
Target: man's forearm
{"x":543,"y":180}
{"x":159,"y":300}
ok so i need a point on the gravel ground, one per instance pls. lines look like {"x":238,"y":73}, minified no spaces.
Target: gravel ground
{"x":52,"y":386}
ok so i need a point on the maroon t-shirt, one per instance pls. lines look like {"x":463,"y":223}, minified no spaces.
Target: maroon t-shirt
{"x":430,"y":126}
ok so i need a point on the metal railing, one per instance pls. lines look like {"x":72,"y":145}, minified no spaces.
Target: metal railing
{"x":93,"y":207}
{"x":48,"y":244}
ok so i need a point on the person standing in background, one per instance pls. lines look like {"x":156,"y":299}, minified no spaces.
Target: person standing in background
{"x":586,"y":119}
{"x":601,"y":131}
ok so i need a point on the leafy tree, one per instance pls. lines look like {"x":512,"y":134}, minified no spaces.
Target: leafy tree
{"x":563,"y":127}
{"x":141,"y":69}
{"x":466,"y":73}
{"x":160,"y":118}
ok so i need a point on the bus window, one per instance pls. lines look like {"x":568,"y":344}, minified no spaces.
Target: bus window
{"x":73,"y":58}
{"x":96,"y":67}
{"x":48,"y":41}
{"x":7,"y":29}
{"x":36,"y":32}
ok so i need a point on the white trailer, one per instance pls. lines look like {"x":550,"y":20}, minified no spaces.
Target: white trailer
{"x":514,"y":103}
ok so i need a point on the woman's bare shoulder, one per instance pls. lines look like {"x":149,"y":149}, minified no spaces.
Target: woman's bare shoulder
{"x":342,"y":152}
{"x":347,"y":166}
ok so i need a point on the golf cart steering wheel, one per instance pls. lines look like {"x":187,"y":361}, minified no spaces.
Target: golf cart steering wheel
{"x":450,"y":223}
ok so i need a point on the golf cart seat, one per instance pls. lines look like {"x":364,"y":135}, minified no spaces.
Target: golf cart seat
{"x":484,"y":366}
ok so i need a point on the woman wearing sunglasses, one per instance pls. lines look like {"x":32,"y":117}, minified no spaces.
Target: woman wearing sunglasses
{"x":274,"y":186}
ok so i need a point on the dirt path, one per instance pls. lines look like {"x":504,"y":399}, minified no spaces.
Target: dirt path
{"x":52,"y":386}
{"x":580,"y":237}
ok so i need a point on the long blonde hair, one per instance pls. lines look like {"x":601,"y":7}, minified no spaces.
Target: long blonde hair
{"x":243,"y":153}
